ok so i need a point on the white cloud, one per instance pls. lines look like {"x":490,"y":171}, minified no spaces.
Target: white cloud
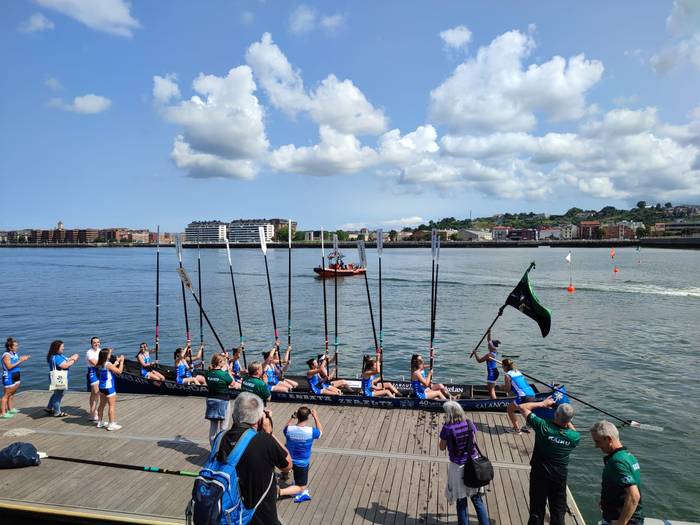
{"x":619,"y":122}
{"x":53,"y":83}
{"x":337,"y":153}
{"x":403,"y":151}
{"x":333,"y":22}
{"x":404,"y":221}
{"x":683,"y":25}
{"x":281,"y":82}
{"x":456,"y":38}
{"x":494,"y":91}
{"x":223,"y":133}
{"x":302,"y":19}
{"x":88,"y":104}
{"x":109,"y":16}
{"x":35,"y":23}
{"x":165,"y":88}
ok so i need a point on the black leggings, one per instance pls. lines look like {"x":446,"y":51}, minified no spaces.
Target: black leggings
{"x":545,"y":487}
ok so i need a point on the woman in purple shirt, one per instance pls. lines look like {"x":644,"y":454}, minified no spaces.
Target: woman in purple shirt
{"x":454,"y":437}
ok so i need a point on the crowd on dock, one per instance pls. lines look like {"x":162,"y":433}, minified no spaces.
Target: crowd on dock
{"x":263,"y":453}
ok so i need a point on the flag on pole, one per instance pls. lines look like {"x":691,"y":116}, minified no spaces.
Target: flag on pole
{"x":524,"y":298}
{"x":568,"y":258}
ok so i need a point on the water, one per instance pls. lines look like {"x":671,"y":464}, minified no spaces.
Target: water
{"x":626,"y":342}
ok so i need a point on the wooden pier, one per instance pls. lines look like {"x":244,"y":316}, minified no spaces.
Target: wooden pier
{"x":370,"y":465}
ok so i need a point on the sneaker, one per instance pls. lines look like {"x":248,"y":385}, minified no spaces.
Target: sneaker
{"x":514,"y":431}
{"x":14,"y":411}
{"x":526,"y":430}
{"x":304,"y":496}
{"x":7,"y":415}
{"x":113,"y":426}
{"x":101,"y":424}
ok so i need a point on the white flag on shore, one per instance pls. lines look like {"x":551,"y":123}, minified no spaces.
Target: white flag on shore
{"x":568,"y":258}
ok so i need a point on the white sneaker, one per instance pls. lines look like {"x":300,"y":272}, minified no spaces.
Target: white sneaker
{"x":101,"y":424}
{"x":113,"y":426}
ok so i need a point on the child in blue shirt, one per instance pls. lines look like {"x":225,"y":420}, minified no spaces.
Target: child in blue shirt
{"x":300,"y":439}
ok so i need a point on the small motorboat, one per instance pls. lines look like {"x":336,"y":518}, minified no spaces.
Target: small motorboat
{"x":332,"y":270}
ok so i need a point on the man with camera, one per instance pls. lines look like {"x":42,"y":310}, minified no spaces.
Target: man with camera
{"x":257,"y":464}
{"x":300,"y":439}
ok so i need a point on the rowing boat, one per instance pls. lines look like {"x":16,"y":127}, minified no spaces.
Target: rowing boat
{"x":473,"y":398}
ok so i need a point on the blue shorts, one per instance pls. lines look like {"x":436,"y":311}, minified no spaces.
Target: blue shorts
{"x":109,"y":392}
{"x":145,"y":372}
{"x":525,"y":399}
{"x":492,"y":375}
{"x":91,"y":377}
{"x":10,"y":379}
{"x":420,"y":394}
{"x":216,"y":408}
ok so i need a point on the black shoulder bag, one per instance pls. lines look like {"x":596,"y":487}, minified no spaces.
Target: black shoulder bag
{"x":477,"y":472}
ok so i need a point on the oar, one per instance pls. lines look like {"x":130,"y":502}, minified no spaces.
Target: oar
{"x":263,"y":247}
{"x":157,"y":290}
{"x":335,"y":299}
{"x":323,"y":278}
{"x":628,"y":422}
{"x":144,"y":468}
{"x":363,"y":261}
{"x":188,"y":284}
{"x":178,"y":245}
{"x":289,"y":287}
{"x":235,"y":302}
{"x":380,"y":247}
{"x":432,"y":295}
{"x":199,"y":287}
{"x":435,"y":290}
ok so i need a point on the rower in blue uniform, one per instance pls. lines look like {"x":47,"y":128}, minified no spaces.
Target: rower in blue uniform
{"x":148,"y":370}
{"x":108,"y":392}
{"x":421,"y":384}
{"x":183,"y":371}
{"x":515,"y":382}
{"x":10,"y":376}
{"x":317,"y":378}
{"x":274,"y":370}
{"x":371,"y":378}
{"x":491,"y":359}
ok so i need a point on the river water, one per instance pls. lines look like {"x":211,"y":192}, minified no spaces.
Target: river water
{"x":626,"y":342}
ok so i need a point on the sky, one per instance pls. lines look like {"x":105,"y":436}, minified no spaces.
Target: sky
{"x":343,"y":114}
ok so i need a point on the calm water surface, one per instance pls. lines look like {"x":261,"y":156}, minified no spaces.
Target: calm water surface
{"x":627,"y":342}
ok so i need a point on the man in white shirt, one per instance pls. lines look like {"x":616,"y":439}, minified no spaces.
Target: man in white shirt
{"x":92,"y":378}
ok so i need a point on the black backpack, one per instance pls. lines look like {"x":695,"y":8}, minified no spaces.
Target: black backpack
{"x":477,"y":472}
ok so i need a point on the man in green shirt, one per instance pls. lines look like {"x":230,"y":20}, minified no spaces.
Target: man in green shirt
{"x":554,"y":442}
{"x":254,"y":383}
{"x":620,"y":494}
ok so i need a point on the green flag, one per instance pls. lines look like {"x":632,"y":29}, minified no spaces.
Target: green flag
{"x":524,"y":298}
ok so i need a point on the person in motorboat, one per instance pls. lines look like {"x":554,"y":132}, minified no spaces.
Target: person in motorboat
{"x":421,"y":381}
{"x":371,"y":386}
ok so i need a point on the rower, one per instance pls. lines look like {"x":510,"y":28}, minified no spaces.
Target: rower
{"x":317,"y":377}
{"x":234,"y":364}
{"x":183,"y":371}
{"x":491,"y":364}
{"x":148,"y":367}
{"x":371,"y":378}
{"x":514,"y":381}
{"x":274,"y":369}
{"x":421,"y":381}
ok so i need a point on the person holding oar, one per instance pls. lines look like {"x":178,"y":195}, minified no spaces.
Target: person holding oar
{"x":274,"y":370}
{"x":148,"y":367}
{"x":319,"y":380}
{"x":183,"y":369}
{"x":491,"y":364}
{"x":372,"y":386}
{"x":421,"y":381}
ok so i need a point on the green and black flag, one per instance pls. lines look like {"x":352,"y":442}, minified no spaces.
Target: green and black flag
{"x":524,"y":298}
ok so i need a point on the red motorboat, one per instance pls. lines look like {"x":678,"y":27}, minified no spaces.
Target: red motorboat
{"x":342,"y":271}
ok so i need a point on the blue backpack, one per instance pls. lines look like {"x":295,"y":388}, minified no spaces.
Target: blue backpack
{"x":216,"y":495}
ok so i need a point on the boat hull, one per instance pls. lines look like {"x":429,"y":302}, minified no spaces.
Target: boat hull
{"x":327,"y":273}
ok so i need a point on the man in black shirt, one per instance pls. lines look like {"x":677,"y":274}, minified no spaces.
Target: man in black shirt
{"x":257,"y":465}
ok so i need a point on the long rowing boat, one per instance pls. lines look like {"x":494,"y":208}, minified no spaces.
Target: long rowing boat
{"x":472,"y":397}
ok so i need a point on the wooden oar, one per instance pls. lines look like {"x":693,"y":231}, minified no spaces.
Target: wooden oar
{"x":157,"y":290}
{"x":325,"y":308}
{"x":188,"y":284}
{"x":144,"y":468}
{"x":380,"y":248}
{"x":289,"y":287}
{"x":263,"y":247}
{"x":178,"y":246}
{"x":434,"y":240}
{"x":235,"y":302}
{"x":335,"y":299}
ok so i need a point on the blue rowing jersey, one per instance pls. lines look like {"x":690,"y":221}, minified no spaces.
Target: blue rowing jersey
{"x":418,"y":387}
{"x":236,"y":370}
{"x":9,"y":373}
{"x":491,"y":364}
{"x":367,"y":386}
{"x":182,"y":371}
{"x":299,"y":443}
{"x":56,"y":361}
{"x":518,"y":384}
{"x":146,"y":361}
{"x":272,"y":378}
{"x":106,"y":378}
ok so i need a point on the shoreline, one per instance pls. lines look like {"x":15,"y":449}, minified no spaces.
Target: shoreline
{"x":677,"y":243}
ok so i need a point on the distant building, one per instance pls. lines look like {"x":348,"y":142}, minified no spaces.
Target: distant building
{"x":621,"y":230}
{"x":246,"y":230}
{"x":589,"y":229}
{"x":523,"y":234}
{"x":3,"y":237}
{"x":309,"y":236}
{"x":657,"y":229}
{"x":500,"y":233}
{"x":206,"y":232}
{"x":278,"y":224}
{"x":140,"y":236}
{"x":683,"y":228}
{"x":569,"y":231}
{"x":474,"y":235}
{"x":550,"y":233}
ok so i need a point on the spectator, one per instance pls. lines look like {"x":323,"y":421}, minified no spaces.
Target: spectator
{"x":620,"y":495}
{"x":219,"y":380}
{"x":300,"y":439}
{"x":91,"y":378}
{"x":256,"y":476}
{"x":454,"y":437}
{"x":254,"y":383}
{"x":57,"y":360}
{"x":554,"y":442}
{"x":11,"y":362}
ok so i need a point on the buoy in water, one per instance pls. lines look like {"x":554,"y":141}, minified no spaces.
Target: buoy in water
{"x":570,"y":288}
{"x":616,"y":269}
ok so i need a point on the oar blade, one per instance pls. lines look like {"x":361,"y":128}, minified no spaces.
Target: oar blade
{"x":289,"y":233}
{"x":432,"y":242}
{"x":228,"y":251}
{"x":263,"y":240}
{"x":361,"y":253}
{"x":437,"y":248}
{"x":645,"y":426}
{"x":380,"y":241}
{"x":184,"y":278}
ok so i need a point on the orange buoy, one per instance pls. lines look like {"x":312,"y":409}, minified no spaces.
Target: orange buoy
{"x":616,"y":269}
{"x":570,"y":288}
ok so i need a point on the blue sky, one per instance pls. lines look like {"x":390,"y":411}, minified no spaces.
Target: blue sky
{"x":342,"y":114}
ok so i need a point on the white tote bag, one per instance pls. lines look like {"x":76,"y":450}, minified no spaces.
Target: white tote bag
{"x":59,"y":378}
